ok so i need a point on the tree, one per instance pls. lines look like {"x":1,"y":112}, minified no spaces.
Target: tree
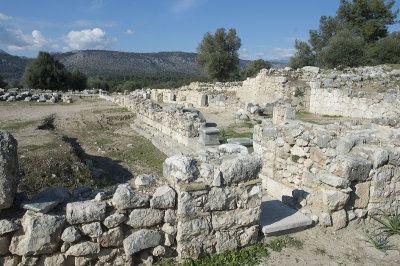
{"x":45,"y":72}
{"x":3,"y":82}
{"x":344,"y":50}
{"x":98,"y":83}
{"x":255,"y":67}
{"x":78,"y":80}
{"x":218,"y":54}
{"x":304,"y":56}
{"x":387,"y":50}
{"x":368,"y":18}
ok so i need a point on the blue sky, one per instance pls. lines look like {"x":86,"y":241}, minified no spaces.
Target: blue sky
{"x":267,"y":28}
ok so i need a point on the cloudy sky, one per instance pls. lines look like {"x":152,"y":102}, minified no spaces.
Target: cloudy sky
{"x":267,"y":28}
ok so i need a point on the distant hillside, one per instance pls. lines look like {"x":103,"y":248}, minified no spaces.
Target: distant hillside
{"x":100,"y":62}
{"x":12,"y":67}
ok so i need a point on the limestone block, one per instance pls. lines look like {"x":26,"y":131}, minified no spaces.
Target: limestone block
{"x":221,"y":199}
{"x":92,"y":229}
{"x":70,"y":234}
{"x":126,"y":198}
{"x":53,"y":259}
{"x":334,"y":181}
{"x":225,"y":241}
{"x":85,"y":248}
{"x":323,"y":141}
{"x":339,"y":219}
{"x":360,"y":195}
{"x":114,"y":220}
{"x":186,"y":230}
{"x":112,"y":238}
{"x":180,"y":169}
{"x":311,"y":69}
{"x":170,"y":216}
{"x":232,"y":148}
{"x":235,"y":219}
{"x":334,"y":200}
{"x":85,"y":212}
{"x":40,"y":234}
{"x":163,"y":198}
{"x":140,"y":240}
{"x":326,"y":219}
{"x":140,"y":218}
{"x":298,"y":151}
{"x":9,"y":176}
{"x":352,"y":167}
{"x":7,"y":226}
{"x":242,"y":168}
{"x":250,"y":196}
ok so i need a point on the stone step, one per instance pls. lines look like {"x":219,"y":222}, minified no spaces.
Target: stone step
{"x":277,"y":218}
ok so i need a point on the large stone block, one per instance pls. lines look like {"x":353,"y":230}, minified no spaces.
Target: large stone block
{"x":126,"y":198}
{"x":225,"y":241}
{"x":140,"y":240}
{"x":163,"y":198}
{"x":180,"y":169}
{"x":234,"y":219}
{"x":85,"y":248}
{"x":352,"y":167}
{"x":360,"y":195}
{"x":194,"y":227}
{"x":139,"y":218}
{"x":334,"y":200}
{"x":85,"y":212}
{"x":112,"y":238}
{"x":9,"y":176}
{"x":221,"y":199}
{"x":240,"y":169}
{"x":334,"y":181}
{"x":40,"y":234}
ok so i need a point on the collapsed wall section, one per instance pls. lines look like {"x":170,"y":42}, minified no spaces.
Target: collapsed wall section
{"x":200,"y":206}
{"x":337,"y":172}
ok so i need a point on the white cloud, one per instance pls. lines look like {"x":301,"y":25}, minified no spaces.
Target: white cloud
{"x":88,"y":39}
{"x":4,"y":17}
{"x":129,"y":32}
{"x":244,"y":53}
{"x":84,"y":23}
{"x":18,"y":41}
{"x":281,"y":54}
{"x":182,"y":5}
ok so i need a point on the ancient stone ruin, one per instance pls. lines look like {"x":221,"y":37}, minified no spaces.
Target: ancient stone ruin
{"x":210,"y":197}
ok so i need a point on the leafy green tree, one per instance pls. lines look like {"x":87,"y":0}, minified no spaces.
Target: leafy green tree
{"x":98,"y":83}
{"x":255,"y":67}
{"x":45,"y":72}
{"x":368,"y":18}
{"x":344,"y":50}
{"x":387,"y":50}
{"x":328,"y":26}
{"x":3,"y":82}
{"x":218,"y":54}
{"x":78,"y":80}
{"x":304,"y":56}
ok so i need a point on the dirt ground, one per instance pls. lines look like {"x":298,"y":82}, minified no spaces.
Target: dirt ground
{"x":92,"y":144}
{"x":324,"y":246}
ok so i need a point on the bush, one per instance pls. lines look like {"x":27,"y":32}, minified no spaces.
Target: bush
{"x":303,"y":57}
{"x":387,"y":50}
{"x":344,"y":50}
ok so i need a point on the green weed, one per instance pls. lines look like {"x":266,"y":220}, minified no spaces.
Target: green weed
{"x":15,"y":126}
{"x":295,"y":158}
{"x":379,"y":240}
{"x":332,"y":116}
{"x":390,"y":223}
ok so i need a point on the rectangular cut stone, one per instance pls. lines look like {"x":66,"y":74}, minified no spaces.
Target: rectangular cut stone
{"x":209,"y":136}
{"x":85,"y":212}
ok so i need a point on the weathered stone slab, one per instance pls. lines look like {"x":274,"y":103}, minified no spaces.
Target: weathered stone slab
{"x":163,"y":198}
{"x":85,"y":212}
{"x":70,"y":234}
{"x":40,"y":234}
{"x":180,"y":169}
{"x":334,"y":200}
{"x":140,"y":218}
{"x":85,"y":248}
{"x":114,"y":220}
{"x":243,"y":168}
{"x":277,"y":217}
{"x":7,"y":226}
{"x":112,"y":238}
{"x":209,"y":136}
{"x":334,"y":181}
{"x":140,"y":240}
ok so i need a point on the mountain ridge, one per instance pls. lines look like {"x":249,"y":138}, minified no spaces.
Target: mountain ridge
{"x":105,"y":62}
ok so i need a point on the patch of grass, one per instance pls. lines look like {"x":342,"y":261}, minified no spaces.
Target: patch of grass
{"x":394,"y":66}
{"x":34,"y":147}
{"x":390,"y":223}
{"x":320,"y":251}
{"x":15,"y":126}
{"x":332,"y":116}
{"x":295,"y":158}
{"x":245,"y":256}
{"x":144,"y":154}
{"x":309,"y":118}
{"x":103,"y":142}
{"x":47,"y":123}
{"x":287,"y":241}
{"x":112,"y":110}
{"x":232,"y":132}
{"x":379,"y":240}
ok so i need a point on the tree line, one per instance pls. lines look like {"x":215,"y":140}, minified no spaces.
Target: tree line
{"x":357,"y":35}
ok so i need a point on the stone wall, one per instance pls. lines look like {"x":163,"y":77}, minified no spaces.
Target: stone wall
{"x":338,"y":172}
{"x":200,"y":206}
{"x":342,"y":102}
{"x":174,"y":128}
